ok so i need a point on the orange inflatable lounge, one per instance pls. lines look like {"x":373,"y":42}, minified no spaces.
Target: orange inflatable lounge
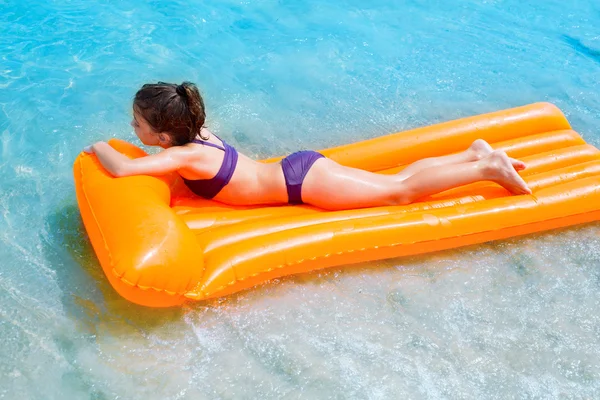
{"x":159,"y":245}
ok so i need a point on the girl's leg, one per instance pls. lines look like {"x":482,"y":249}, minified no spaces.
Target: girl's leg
{"x":332,"y":186}
{"x":478,"y":149}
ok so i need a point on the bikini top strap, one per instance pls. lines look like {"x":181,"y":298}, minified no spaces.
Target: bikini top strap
{"x":206,"y":143}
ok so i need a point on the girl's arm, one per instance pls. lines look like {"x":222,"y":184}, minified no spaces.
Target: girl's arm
{"x":119,"y":165}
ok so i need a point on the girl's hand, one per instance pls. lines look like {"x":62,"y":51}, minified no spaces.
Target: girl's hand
{"x":91,"y":148}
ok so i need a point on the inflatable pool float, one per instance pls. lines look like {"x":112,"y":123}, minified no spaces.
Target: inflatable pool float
{"x":159,"y":245}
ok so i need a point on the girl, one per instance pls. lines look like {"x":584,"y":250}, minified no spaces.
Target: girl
{"x":172,"y":116}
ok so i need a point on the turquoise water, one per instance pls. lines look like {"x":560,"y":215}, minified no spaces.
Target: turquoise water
{"x":511,"y":319}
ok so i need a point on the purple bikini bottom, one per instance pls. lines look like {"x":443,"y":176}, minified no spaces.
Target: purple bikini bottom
{"x":295,"y":167}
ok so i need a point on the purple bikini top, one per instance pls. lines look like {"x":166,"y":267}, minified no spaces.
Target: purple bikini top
{"x":209,"y":188}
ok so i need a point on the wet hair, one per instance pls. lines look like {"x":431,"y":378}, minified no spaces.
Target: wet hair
{"x":177,"y":110}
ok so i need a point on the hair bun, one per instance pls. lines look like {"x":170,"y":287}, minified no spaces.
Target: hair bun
{"x":180,"y":90}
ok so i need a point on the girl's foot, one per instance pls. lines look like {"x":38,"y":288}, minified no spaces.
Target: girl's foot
{"x":481,"y":149}
{"x":500,"y":168}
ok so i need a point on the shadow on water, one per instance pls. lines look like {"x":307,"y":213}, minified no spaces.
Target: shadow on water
{"x":582,"y":48}
{"x":100,"y":322}
{"x":87,"y":295}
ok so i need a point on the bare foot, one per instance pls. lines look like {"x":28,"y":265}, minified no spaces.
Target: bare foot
{"x":517,"y":164}
{"x":481,"y":149}
{"x":499,"y":168}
